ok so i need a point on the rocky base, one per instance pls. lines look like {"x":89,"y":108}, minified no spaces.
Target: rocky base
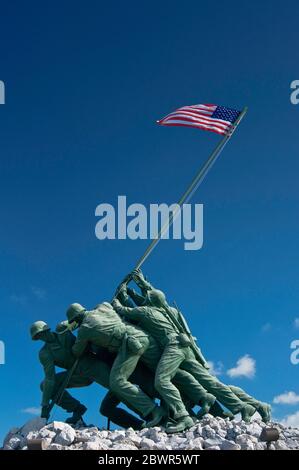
{"x":210,"y":433}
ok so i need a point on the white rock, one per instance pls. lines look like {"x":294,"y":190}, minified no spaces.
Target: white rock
{"x":254,"y":429}
{"x":222,"y":433}
{"x":94,"y":445}
{"x":45,"y":433}
{"x":33,"y":435}
{"x":292,"y":443}
{"x":212,"y":442}
{"x":14,"y":443}
{"x":135,"y":439}
{"x":117,"y":436}
{"x":147,"y":443}
{"x":9,"y":435}
{"x":229,"y":445}
{"x":66,"y":436}
{"x":106,"y":442}
{"x":123,"y":447}
{"x":195,"y":444}
{"x":280,"y":445}
{"x":155,"y":434}
{"x":162,"y":446}
{"x":176,"y":441}
{"x":208,"y":432}
{"x":56,"y":447}
{"x":221,"y":422}
{"x":190,"y":435}
{"x":246,"y":442}
{"x":260,"y":446}
{"x":197,"y":430}
{"x":237,"y":430}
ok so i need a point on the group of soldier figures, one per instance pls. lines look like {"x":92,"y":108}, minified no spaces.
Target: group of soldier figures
{"x":141,"y":350}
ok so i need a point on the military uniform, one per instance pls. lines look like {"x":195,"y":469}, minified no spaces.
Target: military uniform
{"x":102,"y":327}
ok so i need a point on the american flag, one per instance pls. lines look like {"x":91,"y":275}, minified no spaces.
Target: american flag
{"x":209,"y":117}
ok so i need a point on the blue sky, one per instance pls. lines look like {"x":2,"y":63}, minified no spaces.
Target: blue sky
{"x":85,"y":84}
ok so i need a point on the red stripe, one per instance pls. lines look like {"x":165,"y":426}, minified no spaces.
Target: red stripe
{"x":193,"y":108}
{"x":194,"y":123}
{"x":197,"y":127}
{"x":216,"y":122}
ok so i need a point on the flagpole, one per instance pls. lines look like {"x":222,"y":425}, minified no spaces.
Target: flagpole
{"x":197,"y":180}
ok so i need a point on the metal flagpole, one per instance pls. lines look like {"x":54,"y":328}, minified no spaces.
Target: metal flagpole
{"x":197,"y":180}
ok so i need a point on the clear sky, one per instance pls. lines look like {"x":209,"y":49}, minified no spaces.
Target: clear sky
{"x":85,"y":83}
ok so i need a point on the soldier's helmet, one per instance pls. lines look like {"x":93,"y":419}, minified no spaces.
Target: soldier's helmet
{"x":62,"y":327}
{"x":38,"y":327}
{"x":156,"y":298}
{"x":73,"y":311}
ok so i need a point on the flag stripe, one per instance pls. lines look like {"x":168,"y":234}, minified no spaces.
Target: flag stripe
{"x":197,"y":126}
{"x":192,"y":117}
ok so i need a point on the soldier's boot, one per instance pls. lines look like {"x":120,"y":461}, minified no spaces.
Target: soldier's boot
{"x":247,"y":412}
{"x":265,"y":411}
{"x":154,"y":418}
{"x":206,"y":405}
{"x":181,"y":425}
{"x":77,"y":415}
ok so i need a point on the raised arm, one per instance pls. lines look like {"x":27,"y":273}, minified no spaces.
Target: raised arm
{"x":137,"y":298}
{"x":122,"y":295}
{"x":135,"y":313}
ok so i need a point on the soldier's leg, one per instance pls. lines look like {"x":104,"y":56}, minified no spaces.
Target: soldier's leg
{"x":167,"y":368}
{"x":191,"y":397}
{"x":144,"y":378}
{"x":152,"y":354}
{"x":123,"y":367}
{"x":264,"y":409}
{"x":109,"y":408}
{"x":189,"y":386}
{"x":95,"y":369}
{"x":243,"y":396}
{"x":222,"y":392}
{"x":66,"y":402}
{"x":99,"y":370}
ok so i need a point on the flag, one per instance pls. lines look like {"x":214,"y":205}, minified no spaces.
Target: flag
{"x":209,"y":117}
